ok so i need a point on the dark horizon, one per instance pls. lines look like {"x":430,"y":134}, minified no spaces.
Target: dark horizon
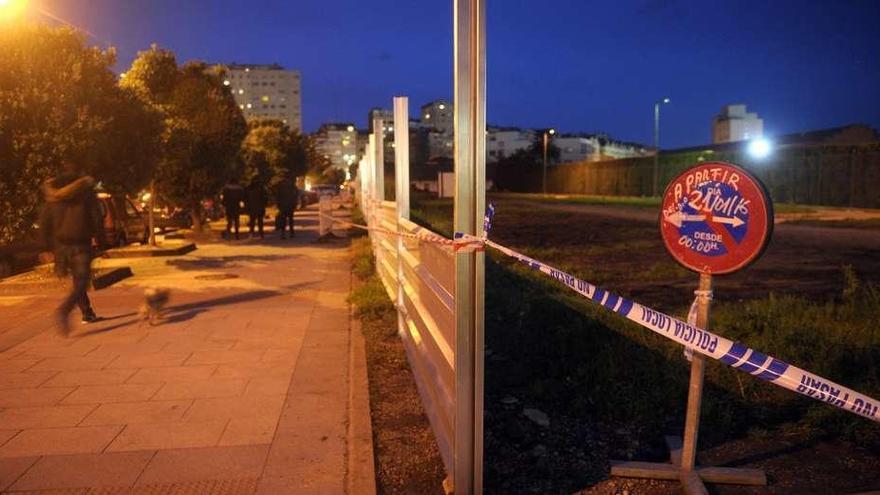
{"x":800,"y":65}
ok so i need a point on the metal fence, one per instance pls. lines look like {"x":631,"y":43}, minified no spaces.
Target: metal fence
{"x":419,"y":276}
{"x":439,"y":292}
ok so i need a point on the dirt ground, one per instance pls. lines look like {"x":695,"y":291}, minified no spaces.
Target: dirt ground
{"x":619,"y":248}
{"x":406,"y":454}
{"x":622,"y":246}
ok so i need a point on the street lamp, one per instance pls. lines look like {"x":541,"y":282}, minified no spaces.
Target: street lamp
{"x":657,"y":143}
{"x":547,"y":134}
{"x":760,"y":148}
{"x":11,"y":9}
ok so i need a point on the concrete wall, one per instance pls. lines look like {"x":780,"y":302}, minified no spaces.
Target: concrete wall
{"x":828,"y":175}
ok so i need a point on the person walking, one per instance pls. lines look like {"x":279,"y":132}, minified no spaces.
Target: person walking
{"x":256,"y":206}
{"x":70,"y":219}
{"x":285,"y":198}
{"x":232,"y":196}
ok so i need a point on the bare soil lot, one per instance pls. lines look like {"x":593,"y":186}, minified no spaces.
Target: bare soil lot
{"x":611,"y":390}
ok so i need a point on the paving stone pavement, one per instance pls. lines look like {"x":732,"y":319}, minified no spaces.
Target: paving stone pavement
{"x":242,"y":389}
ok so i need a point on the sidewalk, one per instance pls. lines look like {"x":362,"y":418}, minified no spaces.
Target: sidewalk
{"x":243,"y":389}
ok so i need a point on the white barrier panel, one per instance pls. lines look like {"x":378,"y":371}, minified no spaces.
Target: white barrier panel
{"x":325,"y":208}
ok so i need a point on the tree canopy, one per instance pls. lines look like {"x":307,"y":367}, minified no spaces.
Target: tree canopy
{"x":270,"y":151}
{"x":204,"y":127}
{"x":59,"y":98}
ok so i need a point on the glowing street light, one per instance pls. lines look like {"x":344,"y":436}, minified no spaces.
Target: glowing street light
{"x":759,"y":148}
{"x":547,"y":134}
{"x":11,"y":9}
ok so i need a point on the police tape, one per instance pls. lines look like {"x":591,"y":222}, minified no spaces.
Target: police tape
{"x":457,"y":245}
{"x":693,"y":338}
{"x":732,"y":353}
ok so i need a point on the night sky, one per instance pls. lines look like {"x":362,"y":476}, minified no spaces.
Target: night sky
{"x":573,"y":64}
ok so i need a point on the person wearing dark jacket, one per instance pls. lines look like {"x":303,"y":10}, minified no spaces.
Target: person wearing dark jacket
{"x":233,"y":196}
{"x":285,"y":198}
{"x":70,"y":219}
{"x":256,"y":206}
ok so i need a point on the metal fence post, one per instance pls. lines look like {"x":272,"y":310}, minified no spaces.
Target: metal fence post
{"x":470,"y":192}
{"x":401,"y":193}
{"x":401,"y":155}
{"x":379,"y":159}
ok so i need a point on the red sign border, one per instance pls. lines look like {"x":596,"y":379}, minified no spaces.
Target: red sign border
{"x":768,"y":208}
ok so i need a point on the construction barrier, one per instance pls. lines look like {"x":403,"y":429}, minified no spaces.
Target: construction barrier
{"x":734,"y":354}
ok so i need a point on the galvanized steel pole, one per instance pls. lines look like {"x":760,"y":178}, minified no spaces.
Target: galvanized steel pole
{"x":401,"y":155}
{"x":379,"y":159}
{"x":695,"y":389}
{"x":544,"y":180}
{"x":654,"y":191}
{"x":470,"y":201}
{"x":401,"y":194}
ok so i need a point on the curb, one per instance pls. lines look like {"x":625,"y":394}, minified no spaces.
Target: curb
{"x":361,"y":464}
{"x":109,"y":277}
{"x":149,"y":252}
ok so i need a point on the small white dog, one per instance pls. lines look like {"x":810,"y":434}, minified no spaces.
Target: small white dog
{"x":154,"y":304}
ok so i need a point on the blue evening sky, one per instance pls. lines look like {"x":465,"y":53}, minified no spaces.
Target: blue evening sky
{"x":574,"y":64}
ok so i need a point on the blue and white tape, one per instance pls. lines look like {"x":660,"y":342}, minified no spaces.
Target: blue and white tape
{"x":705,"y":342}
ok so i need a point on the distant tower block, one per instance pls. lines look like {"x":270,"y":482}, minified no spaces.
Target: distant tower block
{"x":736,"y":124}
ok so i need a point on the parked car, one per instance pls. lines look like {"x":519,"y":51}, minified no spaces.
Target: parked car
{"x":165,"y":219}
{"x":307,"y":198}
{"x":124,"y":223}
{"x":322,"y":189}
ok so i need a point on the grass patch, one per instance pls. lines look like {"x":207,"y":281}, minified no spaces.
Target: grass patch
{"x":868,"y":223}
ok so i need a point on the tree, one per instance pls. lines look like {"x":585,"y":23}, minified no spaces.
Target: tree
{"x":204,"y":127}
{"x":269,"y":151}
{"x":523,"y":170}
{"x":314,"y":162}
{"x":59,"y":98}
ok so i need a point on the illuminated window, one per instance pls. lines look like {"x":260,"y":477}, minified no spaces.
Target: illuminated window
{"x":264,"y":98}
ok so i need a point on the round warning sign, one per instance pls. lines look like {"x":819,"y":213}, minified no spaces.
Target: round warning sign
{"x":716,"y":218}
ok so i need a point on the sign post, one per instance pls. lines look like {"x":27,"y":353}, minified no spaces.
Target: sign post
{"x":716,"y":219}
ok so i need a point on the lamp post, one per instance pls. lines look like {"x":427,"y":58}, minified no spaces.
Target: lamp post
{"x":547,"y":134}
{"x":657,"y":104}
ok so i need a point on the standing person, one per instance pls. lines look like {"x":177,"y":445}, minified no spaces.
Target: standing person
{"x":256,"y":206}
{"x":70,"y":219}
{"x":285,"y":198}
{"x":233,"y":197}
